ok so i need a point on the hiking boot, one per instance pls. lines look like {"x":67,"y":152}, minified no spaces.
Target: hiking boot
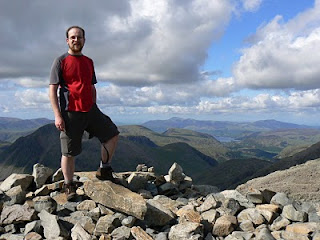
{"x":107,"y":174}
{"x":69,"y":189}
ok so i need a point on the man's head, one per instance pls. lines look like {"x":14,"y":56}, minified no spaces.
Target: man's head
{"x":75,"y":39}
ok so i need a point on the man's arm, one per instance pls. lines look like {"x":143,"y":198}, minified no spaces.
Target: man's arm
{"x":58,"y":120}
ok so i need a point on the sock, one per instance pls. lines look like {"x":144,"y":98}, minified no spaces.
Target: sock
{"x":105,"y":165}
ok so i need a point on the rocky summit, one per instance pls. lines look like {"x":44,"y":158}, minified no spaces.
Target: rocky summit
{"x":147,"y":206}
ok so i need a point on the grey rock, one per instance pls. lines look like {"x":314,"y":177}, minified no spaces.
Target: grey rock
{"x":224,"y":225}
{"x":44,"y":203}
{"x":116,"y":197}
{"x":34,"y":226}
{"x":279,"y":223}
{"x":242,"y":200}
{"x":78,"y":233}
{"x":161,"y":236}
{"x":10,"y":236}
{"x":251,"y":214}
{"x":16,"y":195}
{"x":264,"y":234}
{"x":168,"y":189}
{"x":121,"y":233}
{"x":209,"y":203}
{"x":41,"y":174}
{"x":137,"y":182}
{"x":57,"y":176}
{"x":280,"y":199}
{"x":106,"y":224}
{"x":291,"y":213}
{"x":255,"y":196}
{"x":176,"y":174}
{"x":17,"y":214}
{"x":157,"y":214}
{"x":186,"y":231}
{"x":23,"y":180}
{"x":128,"y":221}
{"x":50,"y":225}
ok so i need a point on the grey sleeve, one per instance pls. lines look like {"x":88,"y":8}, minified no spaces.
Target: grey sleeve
{"x":56,"y":73}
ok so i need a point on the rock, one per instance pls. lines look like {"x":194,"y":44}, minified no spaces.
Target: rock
{"x":128,"y":221}
{"x":33,"y":236}
{"x":78,"y":233}
{"x":16,"y":195}
{"x":210,"y":216}
{"x":209,"y":203}
{"x":139,"y":234}
{"x":44,"y":203}
{"x":224,"y":225}
{"x":86,"y":205}
{"x":157,"y":214}
{"x":280,"y":199}
{"x":51,"y":226}
{"x":34,"y":226}
{"x":17,"y":214}
{"x":291,"y":213}
{"x":188,"y":215}
{"x":279,"y":223}
{"x":136,"y":182}
{"x":251,"y":214}
{"x":106,"y":224}
{"x":303,"y":228}
{"x":264,"y":234}
{"x":176,"y":174}
{"x":41,"y":174}
{"x":122,"y":232}
{"x":242,"y":200}
{"x":22,"y":180}
{"x":116,"y":197}
{"x":57,"y":176}
{"x":186,"y":231}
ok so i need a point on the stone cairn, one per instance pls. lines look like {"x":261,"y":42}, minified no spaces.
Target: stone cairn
{"x":147,"y":206}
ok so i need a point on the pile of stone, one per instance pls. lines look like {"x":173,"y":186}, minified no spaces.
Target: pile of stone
{"x":147,"y":206}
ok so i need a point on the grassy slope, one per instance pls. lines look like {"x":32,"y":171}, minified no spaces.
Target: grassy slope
{"x":205,"y":143}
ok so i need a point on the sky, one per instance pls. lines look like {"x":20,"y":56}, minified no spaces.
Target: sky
{"x":220,"y":60}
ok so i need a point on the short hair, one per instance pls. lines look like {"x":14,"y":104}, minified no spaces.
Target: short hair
{"x":67,"y":32}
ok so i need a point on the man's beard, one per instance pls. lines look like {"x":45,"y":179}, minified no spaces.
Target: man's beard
{"x":76,"y":48}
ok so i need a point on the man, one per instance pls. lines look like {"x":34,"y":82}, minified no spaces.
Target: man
{"x":75,"y":109}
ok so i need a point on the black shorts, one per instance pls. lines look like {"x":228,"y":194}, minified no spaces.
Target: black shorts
{"x":94,"y":122}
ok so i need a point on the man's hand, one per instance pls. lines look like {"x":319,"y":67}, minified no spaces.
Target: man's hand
{"x":59,"y":123}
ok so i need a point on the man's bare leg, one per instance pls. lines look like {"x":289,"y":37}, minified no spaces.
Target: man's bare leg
{"x":68,"y":168}
{"x":108,"y":148}
{"x":105,"y":171}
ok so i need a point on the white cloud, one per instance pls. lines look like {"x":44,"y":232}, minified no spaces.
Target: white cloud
{"x":283,"y":55}
{"x":251,"y":5}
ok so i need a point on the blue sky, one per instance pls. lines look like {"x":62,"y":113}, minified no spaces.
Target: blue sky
{"x":236,"y":60}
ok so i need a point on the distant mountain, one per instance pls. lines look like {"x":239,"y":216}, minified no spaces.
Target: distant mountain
{"x":204,"y":143}
{"x":43,"y":146}
{"x":22,"y":124}
{"x":13,"y":128}
{"x":221,"y":128}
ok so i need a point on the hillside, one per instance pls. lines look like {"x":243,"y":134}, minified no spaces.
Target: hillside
{"x":298,"y":182}
{"x":204,"y":143}
{"x":13,"y":128}
{"x":43,"y":146}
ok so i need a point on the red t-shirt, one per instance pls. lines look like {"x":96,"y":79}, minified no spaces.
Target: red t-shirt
{"x":75,"y":75}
